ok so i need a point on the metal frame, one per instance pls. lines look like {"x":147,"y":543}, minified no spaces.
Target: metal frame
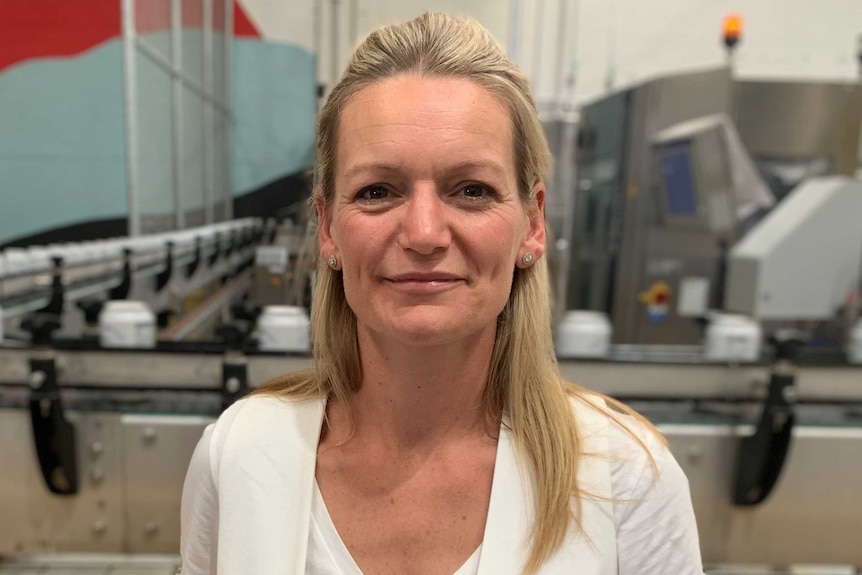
{"x":228,"y":101}
{"x":177,"y":112}
{"x":645,"y":379}
{"x":213,"y":105}
{"x":207,"y":149}
{"x":130,"y":95}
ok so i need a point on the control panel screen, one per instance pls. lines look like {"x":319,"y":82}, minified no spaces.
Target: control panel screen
{"x":679,"y":181}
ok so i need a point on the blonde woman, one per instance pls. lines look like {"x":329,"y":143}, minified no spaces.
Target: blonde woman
{"x":434,"y":436}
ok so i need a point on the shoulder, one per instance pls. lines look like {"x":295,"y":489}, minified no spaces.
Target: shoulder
{"x":636,"y":450}
{"x":653,"y":515}
{"x":631,"y":441}
{"x":256,"y":419}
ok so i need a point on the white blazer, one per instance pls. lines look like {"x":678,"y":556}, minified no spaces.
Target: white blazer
{"x":264,"y":474}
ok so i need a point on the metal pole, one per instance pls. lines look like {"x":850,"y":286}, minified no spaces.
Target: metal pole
{"x":538,"y":46}
{"x":207,"y":104}
{"x":336,"y":42}
{"x":515,"y":31}
{"x":228,"y":103}
{"x":130,"y":95}
{"x":562,"y":63}
{"x":354,"y":21}
{"x":177,"y":112}
{"x":567,"y":182}
{"x":855,"y":307}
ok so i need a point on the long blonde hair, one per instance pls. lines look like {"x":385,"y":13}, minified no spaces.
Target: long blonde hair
{"x":523,"y":380}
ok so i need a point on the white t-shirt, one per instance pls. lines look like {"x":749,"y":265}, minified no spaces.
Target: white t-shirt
{"x":656,"y":530}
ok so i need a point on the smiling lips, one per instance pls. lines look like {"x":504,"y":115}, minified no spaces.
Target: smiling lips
{"x":424,"y":282}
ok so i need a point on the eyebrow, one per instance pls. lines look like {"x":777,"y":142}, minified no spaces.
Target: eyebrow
{"x":459,"y":168}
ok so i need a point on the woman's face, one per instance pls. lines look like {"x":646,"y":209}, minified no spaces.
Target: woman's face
{"x":426,"y":221}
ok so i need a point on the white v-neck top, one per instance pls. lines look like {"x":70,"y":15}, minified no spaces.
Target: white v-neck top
{"x":250,"y":465}
{"x":328,"y":555}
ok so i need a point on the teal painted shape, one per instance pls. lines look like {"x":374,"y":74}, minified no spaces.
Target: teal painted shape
{"x":62,"y":133}
{"x":62,"y":142}
{"x":275,"y":107}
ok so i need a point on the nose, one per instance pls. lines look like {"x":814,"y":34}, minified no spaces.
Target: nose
{"x":425,"y":227}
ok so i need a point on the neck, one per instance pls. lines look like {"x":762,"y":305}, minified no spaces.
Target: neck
{"x":412,"y":395}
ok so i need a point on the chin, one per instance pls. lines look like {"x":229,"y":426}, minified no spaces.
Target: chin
{"x":428,"y":325}
{"x":428,"y":335}
{"x":428,"y":332}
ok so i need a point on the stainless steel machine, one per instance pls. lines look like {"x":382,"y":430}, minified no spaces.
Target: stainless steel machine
{"x":674,"y":172}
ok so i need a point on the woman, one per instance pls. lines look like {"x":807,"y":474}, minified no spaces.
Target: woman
{"x":434,"y":435}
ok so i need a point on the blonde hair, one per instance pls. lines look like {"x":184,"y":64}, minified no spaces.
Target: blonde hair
{"x":523,"y":379}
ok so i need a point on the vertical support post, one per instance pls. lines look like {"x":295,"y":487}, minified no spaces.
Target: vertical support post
{"x":228,"y":105}
{"x":568,"y":116}
{"x":335,"y":38}
{"x":856,"y":315}
{"x":538,"y":46}
{"x":177,"y":112}
{"x":562,"y":61}
{"x":354,"y":22}
{"x":515,"y":31}
{"x":566,"y":186}
{"x":208,"y":104}
{"x":131,"y":110}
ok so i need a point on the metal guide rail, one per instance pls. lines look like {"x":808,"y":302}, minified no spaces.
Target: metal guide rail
{"x":90,"y":564}
{"x":199,"y":367}
{"x":45,"y":278}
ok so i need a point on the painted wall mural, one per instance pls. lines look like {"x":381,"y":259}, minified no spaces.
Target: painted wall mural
{"x":62,"y":129}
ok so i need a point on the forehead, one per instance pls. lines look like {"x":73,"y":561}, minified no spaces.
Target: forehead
{"x":424,"y":120}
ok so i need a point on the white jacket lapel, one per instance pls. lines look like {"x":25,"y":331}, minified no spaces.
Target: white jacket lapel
{"x":512,"y":510}
{"x":265,"y":481}
{"x":510,"y":513}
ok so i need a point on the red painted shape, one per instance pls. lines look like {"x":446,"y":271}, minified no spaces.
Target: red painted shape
{"x":152,"y":16}
{"x":242,"y":26}
{"x":218,"y":15}
{"x":46,"y":28}
{"x":193,"y":13}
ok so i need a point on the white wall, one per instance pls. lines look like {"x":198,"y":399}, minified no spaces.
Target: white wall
{"x":798,"y":39}
{"x":636,"y":39}
{"x":285,"y":21}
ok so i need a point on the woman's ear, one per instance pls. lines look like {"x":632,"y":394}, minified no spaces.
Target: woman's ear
{"x":325,"y":242}
{"x":535,"y":238}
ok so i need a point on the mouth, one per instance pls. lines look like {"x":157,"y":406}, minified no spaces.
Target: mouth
{"x":420,"y":282}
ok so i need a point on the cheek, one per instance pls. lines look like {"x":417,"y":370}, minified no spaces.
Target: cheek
{"x":501,"y":243}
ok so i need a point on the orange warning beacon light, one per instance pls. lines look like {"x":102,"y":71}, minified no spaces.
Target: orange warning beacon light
{"x":732,"y":30}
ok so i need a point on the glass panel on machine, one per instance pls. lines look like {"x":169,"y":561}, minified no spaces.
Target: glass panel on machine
{"x":679,"y":181}
{"x":783,"y":175}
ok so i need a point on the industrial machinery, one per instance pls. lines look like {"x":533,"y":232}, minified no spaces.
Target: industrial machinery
{"x":674,"y":173}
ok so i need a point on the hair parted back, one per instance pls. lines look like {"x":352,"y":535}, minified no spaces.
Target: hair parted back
{"x":523,"y":380}
{"x":437,"y":45}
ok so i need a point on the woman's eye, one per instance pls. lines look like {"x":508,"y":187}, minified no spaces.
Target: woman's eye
{"x":477,"y":191}
{"x":374,"y":193}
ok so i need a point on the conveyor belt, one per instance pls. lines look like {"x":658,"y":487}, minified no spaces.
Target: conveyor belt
{"x":95,"y":564}
{"x":792,"y":570}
